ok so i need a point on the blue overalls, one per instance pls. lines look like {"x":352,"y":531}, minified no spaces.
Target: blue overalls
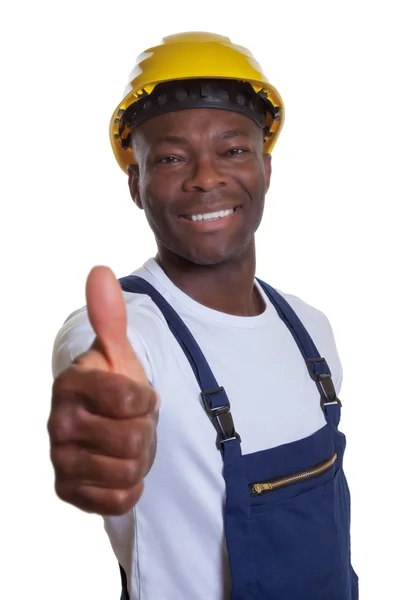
{"x":287,"y":509}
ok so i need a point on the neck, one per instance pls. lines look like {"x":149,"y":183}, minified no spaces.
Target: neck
{"x":226,"y":287}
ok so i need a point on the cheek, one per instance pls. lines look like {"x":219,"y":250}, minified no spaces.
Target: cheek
{"x":255,"y":183}
{"x":159,"y":191}
{"x":156,"y":205}
{"x":148,"y":193}
{"x":262,"y":177}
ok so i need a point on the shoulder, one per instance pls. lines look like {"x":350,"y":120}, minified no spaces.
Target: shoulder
{"x":311,"y":317}
{"x":76,"y":334}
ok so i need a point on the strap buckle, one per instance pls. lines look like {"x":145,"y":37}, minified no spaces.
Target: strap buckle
{"x":310,"y":366}
{"x":324,"y":383}
{"x":327,"y":391}
{"x":221,"y":418}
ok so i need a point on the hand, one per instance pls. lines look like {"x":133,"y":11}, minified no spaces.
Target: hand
{"x":102,"y":424}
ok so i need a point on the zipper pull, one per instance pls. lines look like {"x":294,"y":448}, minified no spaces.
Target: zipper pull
{"x":258,"y":488}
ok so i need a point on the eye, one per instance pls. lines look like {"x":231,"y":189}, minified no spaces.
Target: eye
{"x":236,"y":151}
{"x":167,"y":160}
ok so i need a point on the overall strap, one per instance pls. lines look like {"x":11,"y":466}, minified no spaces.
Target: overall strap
{"x":214,"y":398}
{"x":317,"y":367}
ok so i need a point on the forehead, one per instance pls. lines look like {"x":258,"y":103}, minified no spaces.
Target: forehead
{"x":197,"y":123}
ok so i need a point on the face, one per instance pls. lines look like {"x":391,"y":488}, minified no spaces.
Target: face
{"x":201,"y":179}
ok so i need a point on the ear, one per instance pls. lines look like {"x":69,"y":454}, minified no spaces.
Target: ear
{"x":267,"y":169}
{"x":133,"y":182}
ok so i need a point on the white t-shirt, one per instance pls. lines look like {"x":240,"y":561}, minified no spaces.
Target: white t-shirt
{"x":172,"y":545}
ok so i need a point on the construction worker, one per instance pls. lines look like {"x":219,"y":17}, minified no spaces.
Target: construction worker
{"x":195,"y":407}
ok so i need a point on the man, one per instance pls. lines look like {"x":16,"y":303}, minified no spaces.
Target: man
{"x":196,"y":411}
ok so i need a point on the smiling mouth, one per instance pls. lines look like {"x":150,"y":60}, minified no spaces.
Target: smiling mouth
{"x":211,"y":216}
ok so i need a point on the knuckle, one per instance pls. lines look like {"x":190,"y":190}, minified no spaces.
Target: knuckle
{"x":131,"y":472}
{"x":135,"y":441}
{"x":120,"y":500}
{"x":123,"y":500}
{"x":139,"y":437}
{"x":120,"y":389}
{"x":137,"y":398}
{"x":66,"y":461}
{"x":114,"y":502}
{"x":59,"y":428}
{"x":63,"y":412}
{"x":152,"y":399}
{"x":127,"y":398}
{"x":148,"y":397}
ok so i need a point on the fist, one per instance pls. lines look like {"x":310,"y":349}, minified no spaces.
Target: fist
{"x":104,"y":412}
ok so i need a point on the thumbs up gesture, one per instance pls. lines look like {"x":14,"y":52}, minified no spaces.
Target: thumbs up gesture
{"x":104,"y":413}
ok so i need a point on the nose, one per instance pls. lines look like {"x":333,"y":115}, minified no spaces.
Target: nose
{"x":204,"y":175}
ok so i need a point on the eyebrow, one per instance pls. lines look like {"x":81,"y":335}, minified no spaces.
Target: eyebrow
{"x":223,"y":135}
{"x":232,"y":133}
{"x":172,"y":139}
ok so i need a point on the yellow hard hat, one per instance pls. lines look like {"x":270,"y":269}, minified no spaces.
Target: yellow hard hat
{"x":193,"y":55}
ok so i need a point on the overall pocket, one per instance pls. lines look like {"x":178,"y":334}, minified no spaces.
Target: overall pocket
{"x":300,"y":531}
{"x":278,"y":483}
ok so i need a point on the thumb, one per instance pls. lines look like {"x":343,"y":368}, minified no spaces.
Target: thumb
{"x":107,"y":314}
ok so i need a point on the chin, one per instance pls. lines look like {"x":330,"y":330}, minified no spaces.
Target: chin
{"x":207,"y":262}
{"x":214,"y":258}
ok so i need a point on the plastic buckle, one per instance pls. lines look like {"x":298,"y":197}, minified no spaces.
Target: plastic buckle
{"x":221,"y":418}
{"x":207,"y":404}
{"x":327,"y":391}
{"x":324,"y":383}
{"x":309,"y":363}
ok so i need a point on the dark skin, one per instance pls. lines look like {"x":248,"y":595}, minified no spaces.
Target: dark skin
{"x":104,"y":413}
{"x":197,"y":161}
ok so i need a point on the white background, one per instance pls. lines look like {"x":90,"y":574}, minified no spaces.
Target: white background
{"x":330,"y":236}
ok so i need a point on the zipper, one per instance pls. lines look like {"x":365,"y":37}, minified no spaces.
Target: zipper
{"x":273,"y":484}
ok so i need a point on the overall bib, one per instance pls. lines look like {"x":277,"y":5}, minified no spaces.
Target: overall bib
{"x":287,"y":509}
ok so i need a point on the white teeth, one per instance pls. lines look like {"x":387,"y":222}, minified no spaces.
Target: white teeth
{"x":211,"y":216}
